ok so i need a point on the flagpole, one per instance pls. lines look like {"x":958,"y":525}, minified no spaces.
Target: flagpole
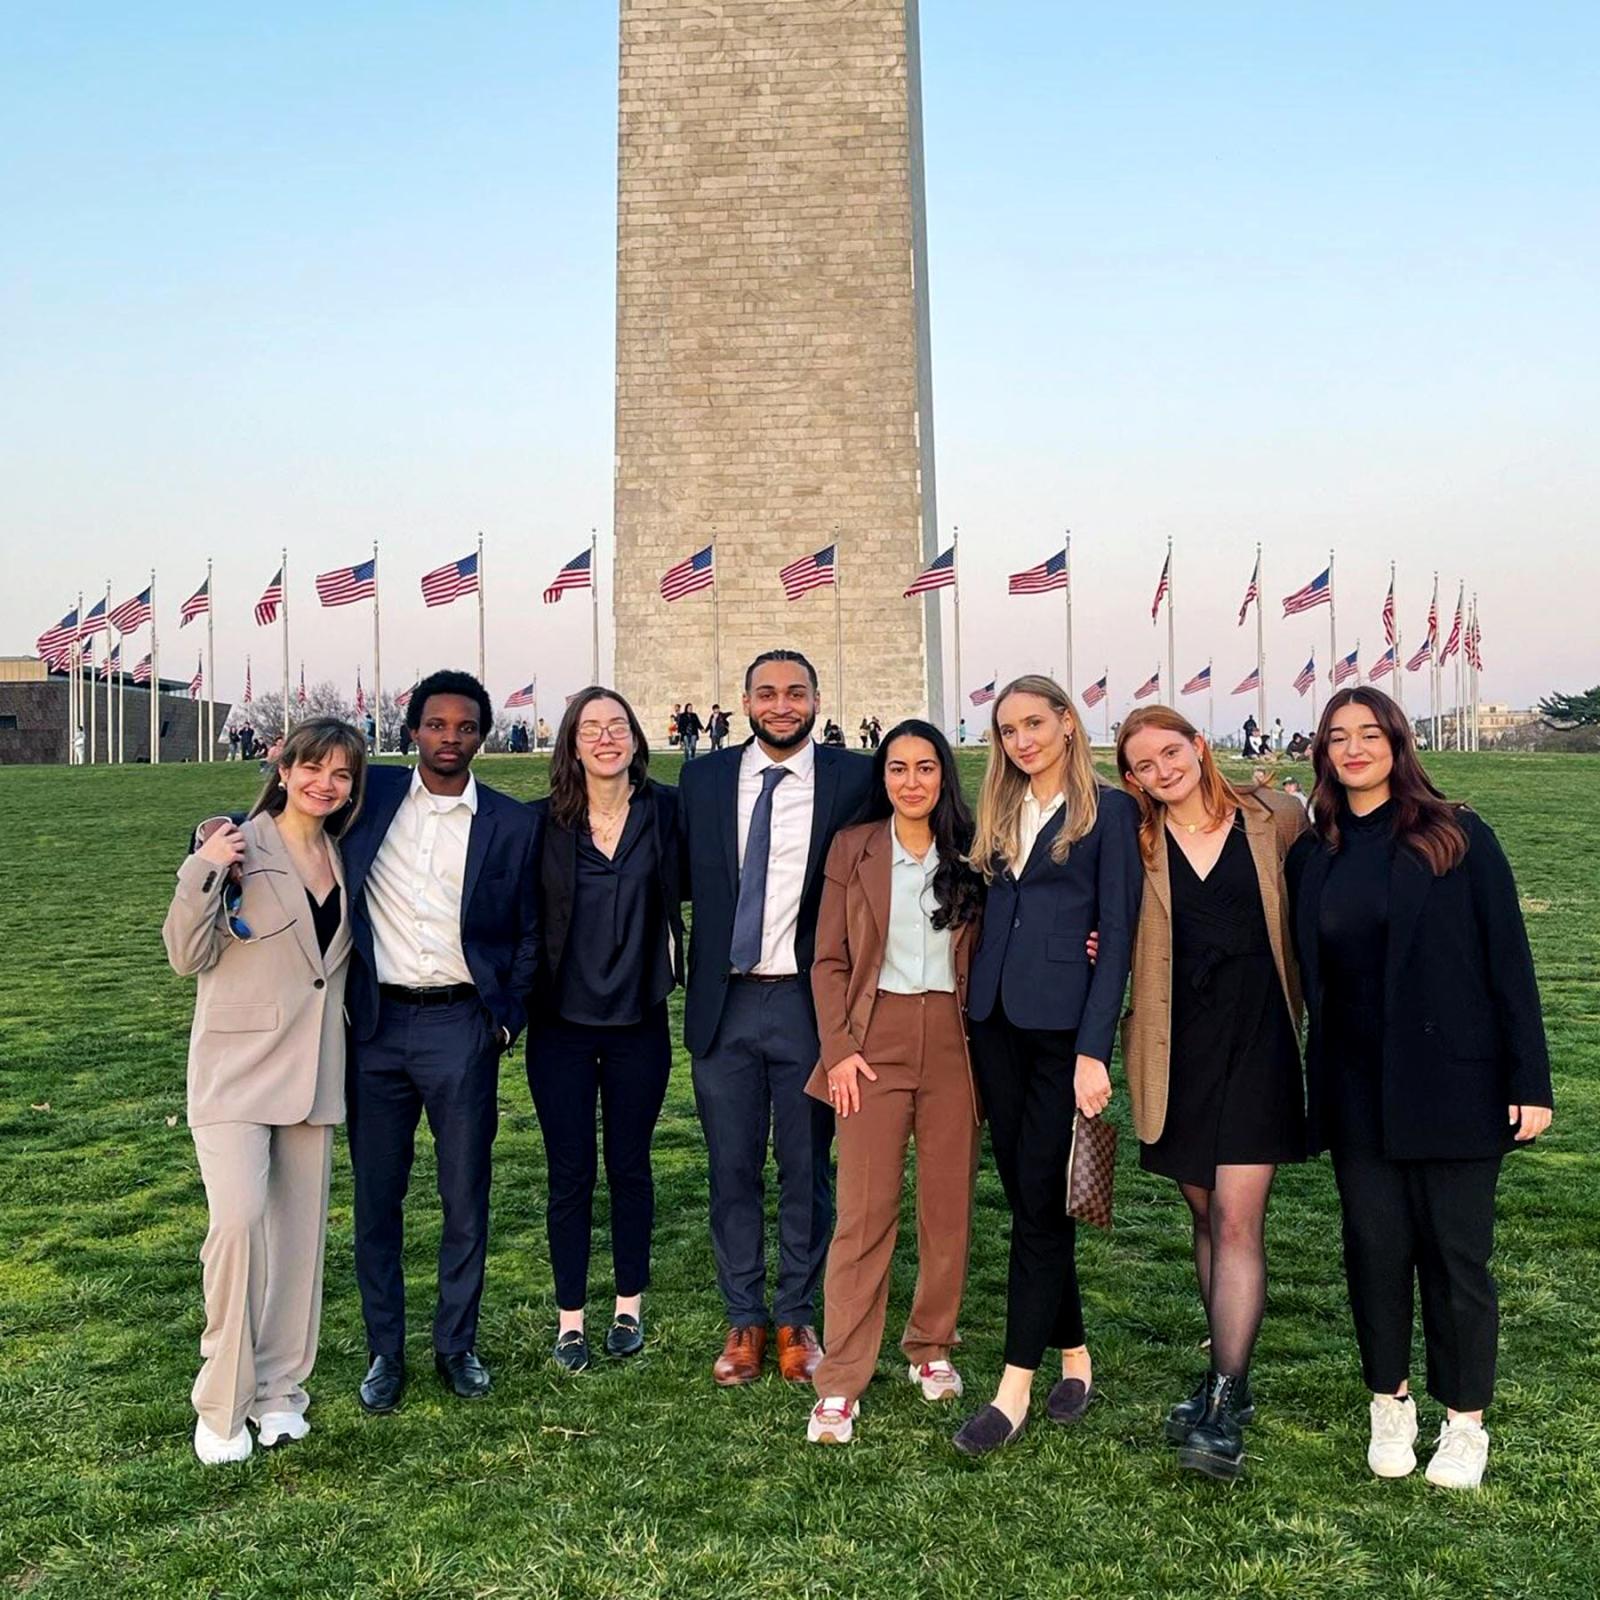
{"x":94,"y":719}
{"x":1172,"y":649}
{"x":1211,"y":700}
{"x":1313,"y":691}
{"x":1477,"y":713}
{"x":211,"y":668}
{"x":377,"y":660}
{"x":155,"y":680}
{"x":110,"y":716}
{"x":955,"y":567}
{"x":1107,"y":702}
{"x":1461,"y":664}
{"x":594,"y":611}
{"x":1333,"y":635}
{"x":1433,"y":668}
{"x":1261,"y":646}
{"x":482,"y":675}
{"x":716,"y":630}
{"x":1399,"y":665}
{"x":1066,"y":556}
{"x":838,"y":627}
{"x":122,"y":703}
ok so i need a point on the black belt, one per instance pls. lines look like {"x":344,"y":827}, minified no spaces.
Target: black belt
{"x":449,"y":995}
{"x":763,"y":977}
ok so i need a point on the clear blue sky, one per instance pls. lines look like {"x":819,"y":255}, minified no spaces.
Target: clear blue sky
{"x":319,"y":274}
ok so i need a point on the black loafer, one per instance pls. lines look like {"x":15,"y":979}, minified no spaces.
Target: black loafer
{"x":464,"y":1374}
{"x":383,"y":1385}
{"x":625,"y":1337}
{"x":572,"y":1351}
{"x":1068,"y":1401}
{"x":986,"y":1430}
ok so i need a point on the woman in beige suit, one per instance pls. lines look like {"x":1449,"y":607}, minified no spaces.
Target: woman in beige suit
{"x":260,"y":914}
{"x":900,"y":909}
{"x":1211,"y":1044}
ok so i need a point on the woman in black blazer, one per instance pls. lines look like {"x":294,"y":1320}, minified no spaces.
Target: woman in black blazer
{"x":606,"y":848}
{"x":1426,"y":1061}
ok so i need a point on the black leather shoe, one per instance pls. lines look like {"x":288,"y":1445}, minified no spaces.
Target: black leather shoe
{"x":625,"y":1337}
{"x":463,"y":1372}
{"x":572,"y":1350}
{"x":383,"y":1385}
{"x":1183,"y":1416}
{"x":1215,"y":1445}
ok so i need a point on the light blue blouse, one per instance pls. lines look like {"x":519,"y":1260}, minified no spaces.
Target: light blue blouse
{"x":916,"y":956}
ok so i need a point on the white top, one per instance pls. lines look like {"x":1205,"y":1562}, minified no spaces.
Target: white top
{"x":414,"y":888}
{"x":1030,"y":824}
{"x":792,"y":805}
{"x":916,"y":955}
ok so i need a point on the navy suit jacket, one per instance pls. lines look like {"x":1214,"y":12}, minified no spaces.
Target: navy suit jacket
{"x":499,"y":904}
{"x":1032,"y":962}
{"x":708,"y":797}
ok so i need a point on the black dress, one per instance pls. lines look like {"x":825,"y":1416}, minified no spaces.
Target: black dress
{"x":1234,"y":1093}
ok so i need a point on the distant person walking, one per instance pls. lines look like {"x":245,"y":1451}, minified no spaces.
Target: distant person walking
{"x":689,"y":729}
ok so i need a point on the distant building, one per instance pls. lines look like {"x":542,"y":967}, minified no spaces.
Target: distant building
{"x":1495,"y":721}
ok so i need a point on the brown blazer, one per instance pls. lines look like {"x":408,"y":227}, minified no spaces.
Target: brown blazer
{"x":267,"y":1043}
{"x":1272,"y":822}
{"x":852,"y":931}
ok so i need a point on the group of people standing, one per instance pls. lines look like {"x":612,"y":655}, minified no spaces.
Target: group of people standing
{"x":872,"y":965}
{"x":686,"y":726}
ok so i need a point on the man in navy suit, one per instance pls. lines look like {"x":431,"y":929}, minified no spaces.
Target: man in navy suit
{"x":758,"y":821}
{"x":443,"y":912}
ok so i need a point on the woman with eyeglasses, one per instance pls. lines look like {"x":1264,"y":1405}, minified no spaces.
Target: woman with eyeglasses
{"x":261,"y":916}
{"x":611,"y":950}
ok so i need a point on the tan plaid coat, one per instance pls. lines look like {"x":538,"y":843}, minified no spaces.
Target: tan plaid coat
{"x":1272,"y":822}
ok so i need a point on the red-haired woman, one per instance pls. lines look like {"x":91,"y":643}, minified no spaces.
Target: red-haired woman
{"x":1211,"y":1044}
{"x":1426,"y":1060}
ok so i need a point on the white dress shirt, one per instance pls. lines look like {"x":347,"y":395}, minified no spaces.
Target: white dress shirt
{"x":1030,"y":824}
{"x":414,"y":888}
{"x":916,"y":955}
{"x":792,"y":804}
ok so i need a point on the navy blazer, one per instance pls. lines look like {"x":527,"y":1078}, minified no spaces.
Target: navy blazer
{"x":499,"y":904}
{"x":708,"y":791}
{"x":1463,"y":1033}
{"x":1032,"y":962}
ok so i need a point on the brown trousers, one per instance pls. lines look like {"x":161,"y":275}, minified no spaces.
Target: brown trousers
{"x":923,"y":1091}
{"x":267,"y":1189}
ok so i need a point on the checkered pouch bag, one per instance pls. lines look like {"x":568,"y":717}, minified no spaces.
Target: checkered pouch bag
{"x":1091,"y":1170}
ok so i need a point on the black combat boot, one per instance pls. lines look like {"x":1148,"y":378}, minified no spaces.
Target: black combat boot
{"x":1183,"y":1416}
{"x":1215,"y":1445}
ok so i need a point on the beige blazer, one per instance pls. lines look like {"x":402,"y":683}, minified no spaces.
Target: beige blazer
{"x":267,"y":1043}
{"x":852,"y":933}
{"x":1272,"y":822}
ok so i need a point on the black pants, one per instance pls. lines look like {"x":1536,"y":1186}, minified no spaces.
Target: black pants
{"x":1025,"y":1078}
{"x":570,"y":1065}
{"x":1432,"y":1221}
{"x":445,"y":1061}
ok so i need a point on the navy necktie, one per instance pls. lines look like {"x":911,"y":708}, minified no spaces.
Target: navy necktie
{"x":745,"y":950}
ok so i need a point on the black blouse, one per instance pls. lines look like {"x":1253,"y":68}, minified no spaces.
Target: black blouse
{"x":616,"y":965}
{"x":325,"y":918}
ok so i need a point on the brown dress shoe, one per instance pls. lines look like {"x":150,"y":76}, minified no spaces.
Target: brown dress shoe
{"x":742,"y":1354}
{"x":798,"y":1353}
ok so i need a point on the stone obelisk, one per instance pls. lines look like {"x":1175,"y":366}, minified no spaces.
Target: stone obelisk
{"x":774,"y":391}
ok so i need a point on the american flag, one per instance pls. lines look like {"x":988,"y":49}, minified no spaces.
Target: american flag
{"x":1149,"y":687}
{"x":1452,"y":642}
{"x":809,"y":572}
{"x":249,"y":694}
{"x":1252,"y":593}
{"x":1051,"y":574}
{"x":1250,"y":682}
{"x":94,"y":619}
{"x":941,"y":574}
{"x":524,"y":695}
{"x":692,"y":573}
{"x":141,"y":673}
{"x":1388,"y":614}
{"x":403,"y":699}
{"x":1163,"y":588}
{"x":451,"y":581}
{"x":197,"y":605}
{"x":197,"y":682}
{"x":361,"y":696}
{"x":1384,"y":665}
{"x":575,"y":575}
{"x":346,"y":585}
{"x":1201,"y":680}
{"x":1346,"y":668}
{"x":300,"y":699}
{"x":1096,"y":692}
{"x":982,"y":696}
{"x":113,"y":662}
{"x":1474,"y":641}
{"x":1307,"y":677}
{"x":53,"y":642}
{"x":1423,"y":656}
{"x":1319,"y":592}
{"x":132,"y":613}
{"x":271,"y":599}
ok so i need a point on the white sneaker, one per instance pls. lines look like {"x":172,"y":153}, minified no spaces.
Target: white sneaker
{"x":938,"y":1380}
{"x":1394,"y":1432}
{"x":1462,"y":1455}
{"x":215,"y":1451}
{"x":833,"y":1420}
{"x":281,"y":1427}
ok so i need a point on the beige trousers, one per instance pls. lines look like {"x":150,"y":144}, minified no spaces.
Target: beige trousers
{"x":267,"y":1189}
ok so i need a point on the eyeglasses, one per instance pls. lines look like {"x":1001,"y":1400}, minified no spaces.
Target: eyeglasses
{"x":594,"y":732}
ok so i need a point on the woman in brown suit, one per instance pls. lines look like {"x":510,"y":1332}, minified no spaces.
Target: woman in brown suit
{"x":1211,"y":1044}
{"x":900,"y":909}
{"x":260,"y":914}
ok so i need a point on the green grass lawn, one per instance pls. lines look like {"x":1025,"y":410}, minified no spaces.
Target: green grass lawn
{"x":645,"y":1480}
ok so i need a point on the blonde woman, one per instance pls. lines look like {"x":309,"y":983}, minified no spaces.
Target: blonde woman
{"x":260,"y":914}
{"x":1060,"y":853}
{"x":1211,"y":1045}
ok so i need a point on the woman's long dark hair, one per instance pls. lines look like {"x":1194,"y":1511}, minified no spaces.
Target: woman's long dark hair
{"x":569,"y":788}
{"x":957,"y":889}
{"x":1424,"y":819}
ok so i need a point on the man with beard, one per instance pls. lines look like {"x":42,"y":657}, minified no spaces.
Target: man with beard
{"x":758,"y":822}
